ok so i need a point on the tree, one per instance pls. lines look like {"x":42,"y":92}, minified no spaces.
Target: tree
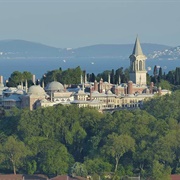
{"x":177,"y":76}
{"x":2,"y":112}
{"x":31,"y":167}
{"x":97,"y":166}
{"x":160,"y":74}
{"x":167,"y":148}
{"x":160,"y":171}
{"x":165,"y":85}
{"x":93,"y":77}
{"x":104,"y":75}
{"x":14,"y":151}
{"x":118,"y":75}
{"x":171,"y":77}
{"x":54,"y":158}
{"x":117,"y":145}
{"x":17,"y":77}
{"x":126,"y":75}
{"x":155,"y":71}
{"x":26,"y":75}
{"x":112,"y":76}
{"x":148,"y":79}
{"x":78,"y":169}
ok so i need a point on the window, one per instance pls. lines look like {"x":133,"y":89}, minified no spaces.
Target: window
{"x":140,"y":65}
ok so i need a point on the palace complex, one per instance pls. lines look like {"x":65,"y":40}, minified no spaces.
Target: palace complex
{"x":101,"y":95}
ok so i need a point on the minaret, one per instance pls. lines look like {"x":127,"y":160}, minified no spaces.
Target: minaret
{"x":119,"y":80}
{"x":83,"y":86}
{"x":34,"y":79}
{"x":1,"y":80}
{"x":109,"y":78}
{"x":81,"y":79}
{"x":137,"y":64}
{"x":26,"y":86}
{"x":21,"y":85}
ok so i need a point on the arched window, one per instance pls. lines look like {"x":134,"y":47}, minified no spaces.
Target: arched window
{"x":140,"y":65}
{"x":137,"y":66}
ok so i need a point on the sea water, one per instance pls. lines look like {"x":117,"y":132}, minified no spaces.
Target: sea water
{"x":40,"y":66}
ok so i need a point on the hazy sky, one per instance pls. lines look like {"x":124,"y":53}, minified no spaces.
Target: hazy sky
{"x":77,"y":23}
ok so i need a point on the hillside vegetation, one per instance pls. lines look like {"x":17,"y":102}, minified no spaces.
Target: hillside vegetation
{"x":81,"y":141}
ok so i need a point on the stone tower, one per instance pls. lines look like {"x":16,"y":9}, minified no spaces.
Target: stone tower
{"x":137,"y":65}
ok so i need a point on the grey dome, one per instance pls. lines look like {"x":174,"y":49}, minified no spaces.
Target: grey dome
{"x":55,"y":86}
{"x":36,"y":90}
{"x":108,"y":92}
{"x":19,"y":91}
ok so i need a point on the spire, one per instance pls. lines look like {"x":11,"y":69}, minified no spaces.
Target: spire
{"x":137,"y":48}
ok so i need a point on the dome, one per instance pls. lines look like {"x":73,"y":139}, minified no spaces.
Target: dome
{"x":55,"y":86}
{"x":109,"y":92}
{"x":19,"y":91}
{"x":36,"y":90}
{"x":95,"y":92}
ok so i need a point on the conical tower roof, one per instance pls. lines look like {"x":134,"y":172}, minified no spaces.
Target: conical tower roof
{"x":137,"y":48}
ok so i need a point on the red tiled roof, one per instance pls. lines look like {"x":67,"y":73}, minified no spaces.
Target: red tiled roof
{"x":35,"y":177}
{"x":11,"y":177}
{"x":65,"y":177}
{"x":175,"y":177}
{"x":80,"y":178}
{"x":62,"y":177}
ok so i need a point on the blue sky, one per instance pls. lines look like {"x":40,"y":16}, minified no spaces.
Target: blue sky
{"x":77,"y":23}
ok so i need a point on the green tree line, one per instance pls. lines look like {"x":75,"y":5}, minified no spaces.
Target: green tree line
{"x":170,"y":81}
{"x":80,"y":141}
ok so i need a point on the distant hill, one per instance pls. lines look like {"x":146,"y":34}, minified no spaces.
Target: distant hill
{"x":166,"y":54}
{"x":26,"y":49}
{"x":14,"y":49}
{"x":122,"y":51}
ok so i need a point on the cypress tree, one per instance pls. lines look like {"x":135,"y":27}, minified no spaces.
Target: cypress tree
{"x":177,"y":76}
{"x":112,"y":76}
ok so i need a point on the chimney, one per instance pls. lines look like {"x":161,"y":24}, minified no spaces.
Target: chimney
{"x":130,"y":87}
{"x":95,"y":86}
{"x":90,"y":93}
{"x":125,"y":89}
{"x":116,"y":90}
{"x":100,"y":85}
{"x":151,"y":87}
